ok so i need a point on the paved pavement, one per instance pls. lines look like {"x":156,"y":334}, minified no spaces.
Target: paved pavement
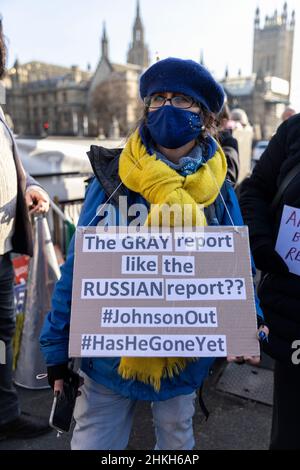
{"x":234,"y":423}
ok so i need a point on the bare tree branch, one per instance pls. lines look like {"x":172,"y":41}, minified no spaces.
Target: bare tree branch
{"x":110,"y":100}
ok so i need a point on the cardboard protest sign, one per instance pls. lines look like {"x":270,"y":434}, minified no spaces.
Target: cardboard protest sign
{"x":162,"y":293}
{"x":288,"y":239}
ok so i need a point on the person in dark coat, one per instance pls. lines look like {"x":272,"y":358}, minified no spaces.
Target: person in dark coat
{"x":18,"y":193}
{"x":229,"y":145}
{"x":279,"y":290}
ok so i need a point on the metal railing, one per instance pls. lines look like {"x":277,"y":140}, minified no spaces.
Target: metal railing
{"x":62,"y":218}
{"x":63,"y":214}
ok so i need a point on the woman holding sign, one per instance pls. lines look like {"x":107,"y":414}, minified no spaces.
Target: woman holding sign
{"x":170,"y":159}
{"x":270,"y":200}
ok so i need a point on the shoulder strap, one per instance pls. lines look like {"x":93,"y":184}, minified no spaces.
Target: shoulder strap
{"x":283,"y":186}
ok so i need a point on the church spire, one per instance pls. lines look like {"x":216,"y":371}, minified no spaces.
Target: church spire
{"x":257,"y":18}
{"x":138,"y":29}
{"x":293,"y":20}
{"x":104,"y":43}
{"x":201,"y":57}
{"x":284,"y":14}
{"x":138,"y":52}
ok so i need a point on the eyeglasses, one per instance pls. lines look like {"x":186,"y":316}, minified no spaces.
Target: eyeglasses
{"x":178,"y":101}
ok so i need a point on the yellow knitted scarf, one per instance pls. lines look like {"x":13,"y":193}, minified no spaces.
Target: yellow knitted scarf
{"x":159,"y":185}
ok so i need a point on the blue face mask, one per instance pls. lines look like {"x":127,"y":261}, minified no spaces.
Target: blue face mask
{"x":173,"y":127}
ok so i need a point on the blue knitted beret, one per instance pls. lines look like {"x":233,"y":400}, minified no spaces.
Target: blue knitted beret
{"x":183,"y":76}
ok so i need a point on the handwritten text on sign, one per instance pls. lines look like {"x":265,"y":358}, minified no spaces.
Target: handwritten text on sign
{"x":288,"y":240}
{"x":165,"y":293}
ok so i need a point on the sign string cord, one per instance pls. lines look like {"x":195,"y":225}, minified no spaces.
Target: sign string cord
{"x":102,"y":206}
{"x":223,"y":200}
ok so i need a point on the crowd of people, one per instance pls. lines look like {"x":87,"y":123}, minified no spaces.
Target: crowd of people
{"x":181,"y":152}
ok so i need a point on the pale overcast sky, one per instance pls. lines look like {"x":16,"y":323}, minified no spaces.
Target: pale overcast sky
{"x":68,"y":32}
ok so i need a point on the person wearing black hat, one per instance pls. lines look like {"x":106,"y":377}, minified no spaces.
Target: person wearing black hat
{"x":170,"y":159}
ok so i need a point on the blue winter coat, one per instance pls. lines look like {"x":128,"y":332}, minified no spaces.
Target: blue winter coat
{"x":55,"y":333}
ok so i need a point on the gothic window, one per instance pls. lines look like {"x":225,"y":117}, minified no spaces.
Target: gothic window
{"x":138,"y":35}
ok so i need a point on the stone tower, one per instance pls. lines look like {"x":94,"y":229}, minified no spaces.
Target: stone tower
{"x":138,"y":53}
{"x":273,"y":44}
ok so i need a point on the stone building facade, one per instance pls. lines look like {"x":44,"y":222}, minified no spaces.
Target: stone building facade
{"x":43,"y":98}
{"x":119,"y":82}
{"x":43,"y":95}
{"x":273,"y":45}
{"x":266,"y":92}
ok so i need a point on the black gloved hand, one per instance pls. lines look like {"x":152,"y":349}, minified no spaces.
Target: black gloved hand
{"x":61,"y":371}
{"x":268,"y":260}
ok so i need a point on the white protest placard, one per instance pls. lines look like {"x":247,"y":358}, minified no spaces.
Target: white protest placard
{"x":162,"y":293}
{"x":288,"y":239}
